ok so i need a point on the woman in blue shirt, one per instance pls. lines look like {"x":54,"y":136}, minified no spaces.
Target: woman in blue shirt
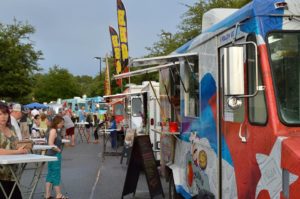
{"x":113,"y":134}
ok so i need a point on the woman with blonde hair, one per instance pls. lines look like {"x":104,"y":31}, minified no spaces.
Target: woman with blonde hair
{"x":43,"y":125}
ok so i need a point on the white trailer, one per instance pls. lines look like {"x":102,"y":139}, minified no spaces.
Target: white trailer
{"x":142,"y":110}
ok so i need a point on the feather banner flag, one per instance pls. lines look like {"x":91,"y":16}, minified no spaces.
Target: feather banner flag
{"x":116,"y":49}
{"x":107,"y":89}
{"x":122,"y":24}
{"x":116,"y":52}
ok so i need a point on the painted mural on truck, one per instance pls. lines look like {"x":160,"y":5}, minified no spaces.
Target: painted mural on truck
{"x":253,"y":169}
{"x":239,"y":108}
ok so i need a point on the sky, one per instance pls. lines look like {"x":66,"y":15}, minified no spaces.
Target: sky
{"x":70,"y":33}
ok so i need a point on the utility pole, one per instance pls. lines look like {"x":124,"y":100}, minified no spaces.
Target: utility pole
{"x":100,"y":60}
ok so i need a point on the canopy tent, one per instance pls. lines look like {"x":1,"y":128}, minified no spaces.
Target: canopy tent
{"x":35,"y":105}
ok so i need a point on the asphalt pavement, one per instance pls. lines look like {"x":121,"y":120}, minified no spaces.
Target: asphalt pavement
{"x":86,"y":175}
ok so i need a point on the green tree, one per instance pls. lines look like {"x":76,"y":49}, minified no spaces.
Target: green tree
{"x":85,"y":84}
{"x":18,"y":61}
{"x":191,"y":24}
{"x":96,"y":87}
{"x":58,"y":83}
{"x":166,"y":44}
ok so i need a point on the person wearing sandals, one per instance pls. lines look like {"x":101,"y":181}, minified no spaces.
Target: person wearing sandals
{"x":54,"y":137}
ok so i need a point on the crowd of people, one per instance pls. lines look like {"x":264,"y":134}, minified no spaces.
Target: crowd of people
{"x":17,"y":124}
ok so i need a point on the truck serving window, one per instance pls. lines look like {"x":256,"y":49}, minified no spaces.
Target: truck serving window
{"x":191,"y":80}
{"x":119,"y":109}
{"x":284,"y":48}
{"x":175,"y":93}
{"x":136,"y":105}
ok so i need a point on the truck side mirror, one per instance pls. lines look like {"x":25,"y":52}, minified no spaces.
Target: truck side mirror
{"x":129,"y":109}
{"x":234,"y":71}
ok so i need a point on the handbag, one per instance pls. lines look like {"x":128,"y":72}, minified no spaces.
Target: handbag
{"x":27,"y":143}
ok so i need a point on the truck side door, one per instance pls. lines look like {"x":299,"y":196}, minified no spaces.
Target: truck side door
{"x":240,"y":130}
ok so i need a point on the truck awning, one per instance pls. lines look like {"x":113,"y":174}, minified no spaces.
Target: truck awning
{"x":145,"y":70}
{"x":160,"y":63}
{"x":122,"y":95}
{"x":161,"y":60}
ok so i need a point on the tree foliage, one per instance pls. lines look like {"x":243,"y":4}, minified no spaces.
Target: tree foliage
{"x":84,"y":83}
{"x":58,"y":83}
{"x":18,"y":61}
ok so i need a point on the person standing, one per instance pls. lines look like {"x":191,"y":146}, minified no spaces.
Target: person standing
{"x":24,"y":126}
{"x":43,"y":125}
{"x":54,"y":168}
{"x":15,"y":116}
{"x":96,"y":129}
{"x":29,"y":121}
{"x":35,"y":129}
{"x":69,"y":126}
{"x":8,"y":147}
{"x":88,"y":126}
{"x":82,"y":114}
{"x":113,"y":133}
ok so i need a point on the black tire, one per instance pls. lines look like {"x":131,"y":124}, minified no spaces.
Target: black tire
{"x":172,"y":190}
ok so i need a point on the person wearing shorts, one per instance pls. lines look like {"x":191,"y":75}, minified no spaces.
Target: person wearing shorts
{"x":89,"y":120}
{"x":69,"y":126}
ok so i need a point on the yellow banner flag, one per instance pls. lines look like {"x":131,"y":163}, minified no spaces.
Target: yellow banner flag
{"x":122,"y":24}
{"x":116,"y":52}
{"x":107,"y":89}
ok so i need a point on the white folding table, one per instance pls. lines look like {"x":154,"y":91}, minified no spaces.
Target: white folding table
{"x":41,"y":148}
{"x":40,"y":141}
{"x":24,"y":159}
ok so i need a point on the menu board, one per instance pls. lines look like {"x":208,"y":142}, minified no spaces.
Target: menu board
{"x":142,"y":158}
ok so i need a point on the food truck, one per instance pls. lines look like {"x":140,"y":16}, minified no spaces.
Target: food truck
{"x":139,"y":106}
{"x":234,"y":91}
{"x":95,"y":105}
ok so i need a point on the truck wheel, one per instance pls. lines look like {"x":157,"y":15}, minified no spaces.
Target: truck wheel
{"x":172,"y":190}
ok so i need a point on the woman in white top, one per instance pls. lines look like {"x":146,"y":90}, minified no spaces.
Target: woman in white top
{"x":35,"y":129}
{"x":69,"y":126}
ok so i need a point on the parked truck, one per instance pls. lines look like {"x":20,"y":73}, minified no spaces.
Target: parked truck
{"x":139,"y":110}
{"x":95,"y":105}
{"x":234,"y":90}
